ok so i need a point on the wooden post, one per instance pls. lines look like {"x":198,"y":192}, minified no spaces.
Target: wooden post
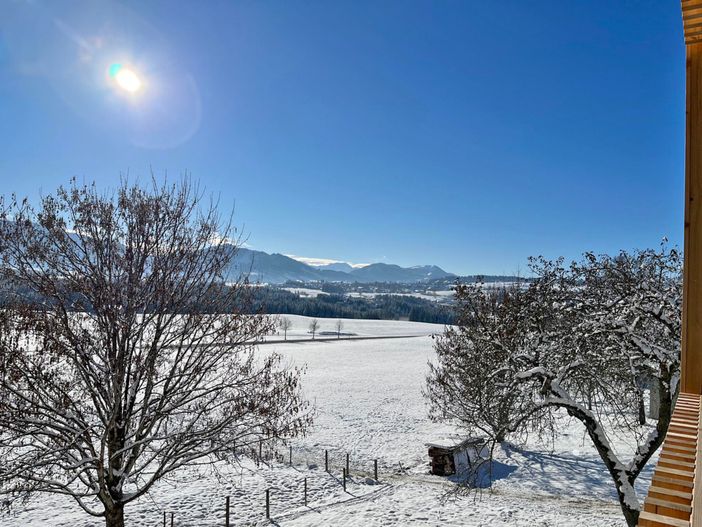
{"x":260,"y":449}
{"x":268,"y":504}
{"x":326,"y":460}
{"x":344,"y":478}
{"x":226,"y":513}
{"x":164,"y":518}
{"x":172,"y":514}
{"x":347,"y":464}
{"x":691,"y":367}
{"x":305,"y":492}
{"x":375,"y":469}
{"x":290,"y":455}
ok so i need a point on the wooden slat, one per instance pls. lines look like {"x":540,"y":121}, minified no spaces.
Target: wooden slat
{"x":696,"y":516}
{"x":685,"y":424}
{"x":688,"y":447}
{"x":659,"y":503}
{"x":677,"y":496}
{"x":692,"y":6}
{"x":679,"y":435}
{"x":684,"y":421}
{"x":649,"y":519}
{"x":672,"y":483}
{"x":681,"y":441}
{"x":676,"y":463}
{"x":668,"y":454}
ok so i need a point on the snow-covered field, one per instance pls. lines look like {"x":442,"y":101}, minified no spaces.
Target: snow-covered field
{"x":305,"y":292}
{"x":369,"y":403}
{"x":432,"y":296}
{"x":356,"y":327}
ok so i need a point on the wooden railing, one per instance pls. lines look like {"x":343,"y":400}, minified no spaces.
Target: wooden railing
{"x":675,"y":496}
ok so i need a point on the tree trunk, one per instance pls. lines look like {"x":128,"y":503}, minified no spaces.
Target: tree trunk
{"x":623,"y":482}
{"x":654,"y":400}
{"x":624,"y":486}
{"x":631,"y":516}
{"x":114,"y":517}
{"x":642,"y":407}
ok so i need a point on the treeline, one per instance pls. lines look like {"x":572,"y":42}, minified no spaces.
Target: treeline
{"x":381,"y":307}
{"x":437,"y":284}
{"x":279,"y":301}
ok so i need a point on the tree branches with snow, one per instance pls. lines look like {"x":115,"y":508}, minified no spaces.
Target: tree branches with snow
{"x":584,"y":339}
{"x":124,"y":355}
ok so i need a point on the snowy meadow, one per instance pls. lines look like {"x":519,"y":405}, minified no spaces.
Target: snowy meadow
{"x":369,"y":405}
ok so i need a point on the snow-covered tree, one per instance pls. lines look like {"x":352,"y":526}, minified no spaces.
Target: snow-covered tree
{"x":125,"y":355}
{"x":582,"y":339}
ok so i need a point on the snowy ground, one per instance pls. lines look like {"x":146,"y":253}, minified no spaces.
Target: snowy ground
{"x":432,"y":296}
{"x":305,"y":292}
{"x":369,"y":403}
{"x":355,"y":327}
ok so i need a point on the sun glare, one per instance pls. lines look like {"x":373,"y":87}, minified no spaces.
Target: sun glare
{"x":125,"y":78}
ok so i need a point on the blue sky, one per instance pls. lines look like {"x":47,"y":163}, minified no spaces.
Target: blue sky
{"x":467,"y":134}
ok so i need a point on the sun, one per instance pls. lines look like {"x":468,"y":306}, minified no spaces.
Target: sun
{"x":125,"y":78}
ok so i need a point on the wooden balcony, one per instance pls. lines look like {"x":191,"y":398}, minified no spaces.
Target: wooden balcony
{"x":675,"y":496}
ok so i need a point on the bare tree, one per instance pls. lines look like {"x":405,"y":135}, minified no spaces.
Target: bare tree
{"x":285,"y":325}
{"x":314,"y":326}
{"x":578,"y":340}
{"x":339,"y":326}
{"x":126,"y":356}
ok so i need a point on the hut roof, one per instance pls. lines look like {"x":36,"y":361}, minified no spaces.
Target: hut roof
{"x":454,"y":443}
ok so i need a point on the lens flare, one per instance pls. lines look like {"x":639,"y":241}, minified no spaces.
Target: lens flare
{"x":125,"y":78}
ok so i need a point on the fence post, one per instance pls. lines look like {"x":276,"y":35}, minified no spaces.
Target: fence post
{"x":226,"y":514}
{"x":260,"y":449}
{"x":375,"y":469}
{"x":290,"y":455}
{"x":326,"y":460}
{"x":305,"y":492}
{"x":268,"y":504}
{"x":344,"y":478}
{"x":347,"y":464}
{"x":164,"y":518}
{"x":172,"y":514}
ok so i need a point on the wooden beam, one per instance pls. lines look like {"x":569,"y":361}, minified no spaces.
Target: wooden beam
{"x":691,"y":367}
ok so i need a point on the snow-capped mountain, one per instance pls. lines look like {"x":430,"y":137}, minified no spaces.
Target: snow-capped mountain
{"x":277,"y":268}
{"x":380,"y":272}
{"x":336,"y":266}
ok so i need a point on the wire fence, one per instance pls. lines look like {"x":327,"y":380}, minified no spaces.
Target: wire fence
{"x":325,"y":477}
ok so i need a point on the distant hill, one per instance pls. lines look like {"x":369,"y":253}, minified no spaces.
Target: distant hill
{"x":380,"y":272}
{"x":336,"y":266}
{"x":277,"y":268}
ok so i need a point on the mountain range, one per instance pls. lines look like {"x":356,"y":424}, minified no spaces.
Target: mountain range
{"x":277,"y":268}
